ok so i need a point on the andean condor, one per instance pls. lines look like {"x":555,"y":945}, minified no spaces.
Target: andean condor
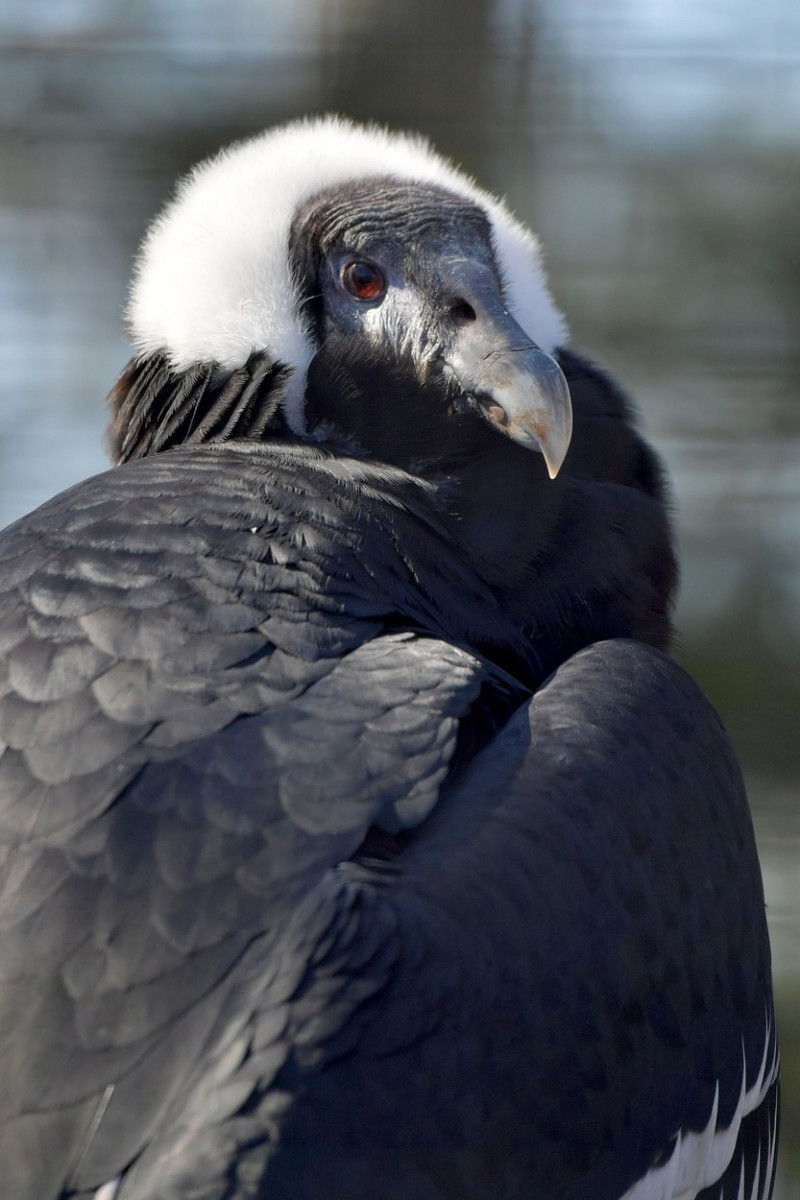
{"x":359,"y":838}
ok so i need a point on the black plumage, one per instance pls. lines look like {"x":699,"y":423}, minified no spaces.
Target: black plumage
{"x":358,"y":836}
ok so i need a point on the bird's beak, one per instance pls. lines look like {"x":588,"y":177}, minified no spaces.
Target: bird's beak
{"x":515,"y":385}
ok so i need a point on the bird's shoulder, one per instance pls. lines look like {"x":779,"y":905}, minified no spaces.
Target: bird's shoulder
{"x":207,"y":632}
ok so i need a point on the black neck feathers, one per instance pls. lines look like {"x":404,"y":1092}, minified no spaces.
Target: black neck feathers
{"x":154,"y":407}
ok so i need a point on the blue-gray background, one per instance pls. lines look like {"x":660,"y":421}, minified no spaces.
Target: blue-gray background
{"x":653,"y":144}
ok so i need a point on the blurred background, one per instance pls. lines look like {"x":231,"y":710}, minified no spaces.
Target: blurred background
{"x":655,"y":147}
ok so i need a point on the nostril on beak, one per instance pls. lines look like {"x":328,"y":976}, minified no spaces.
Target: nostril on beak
{"x":462,"y":312}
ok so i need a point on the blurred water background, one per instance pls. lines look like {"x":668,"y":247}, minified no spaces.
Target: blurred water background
{"x":653,"y":144}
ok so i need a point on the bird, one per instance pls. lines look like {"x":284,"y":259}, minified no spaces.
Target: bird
{"x":360,"y":836}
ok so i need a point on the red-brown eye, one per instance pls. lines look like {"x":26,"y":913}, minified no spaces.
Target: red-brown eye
{"x":363,"y":279}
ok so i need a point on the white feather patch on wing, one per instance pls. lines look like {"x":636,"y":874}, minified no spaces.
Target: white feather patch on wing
{"x":212,"y":282}
{"x":699,"y":1159}
{"x":109,"y":1190}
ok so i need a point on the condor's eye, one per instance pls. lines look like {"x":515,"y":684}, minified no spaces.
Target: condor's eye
{"x":363,"y":279}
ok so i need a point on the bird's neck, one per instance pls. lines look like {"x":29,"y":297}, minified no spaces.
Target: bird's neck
{"x":502,"y":510}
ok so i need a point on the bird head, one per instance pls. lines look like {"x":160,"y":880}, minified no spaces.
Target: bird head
{"x":325,"y":242}
{"x":406,"y":274}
